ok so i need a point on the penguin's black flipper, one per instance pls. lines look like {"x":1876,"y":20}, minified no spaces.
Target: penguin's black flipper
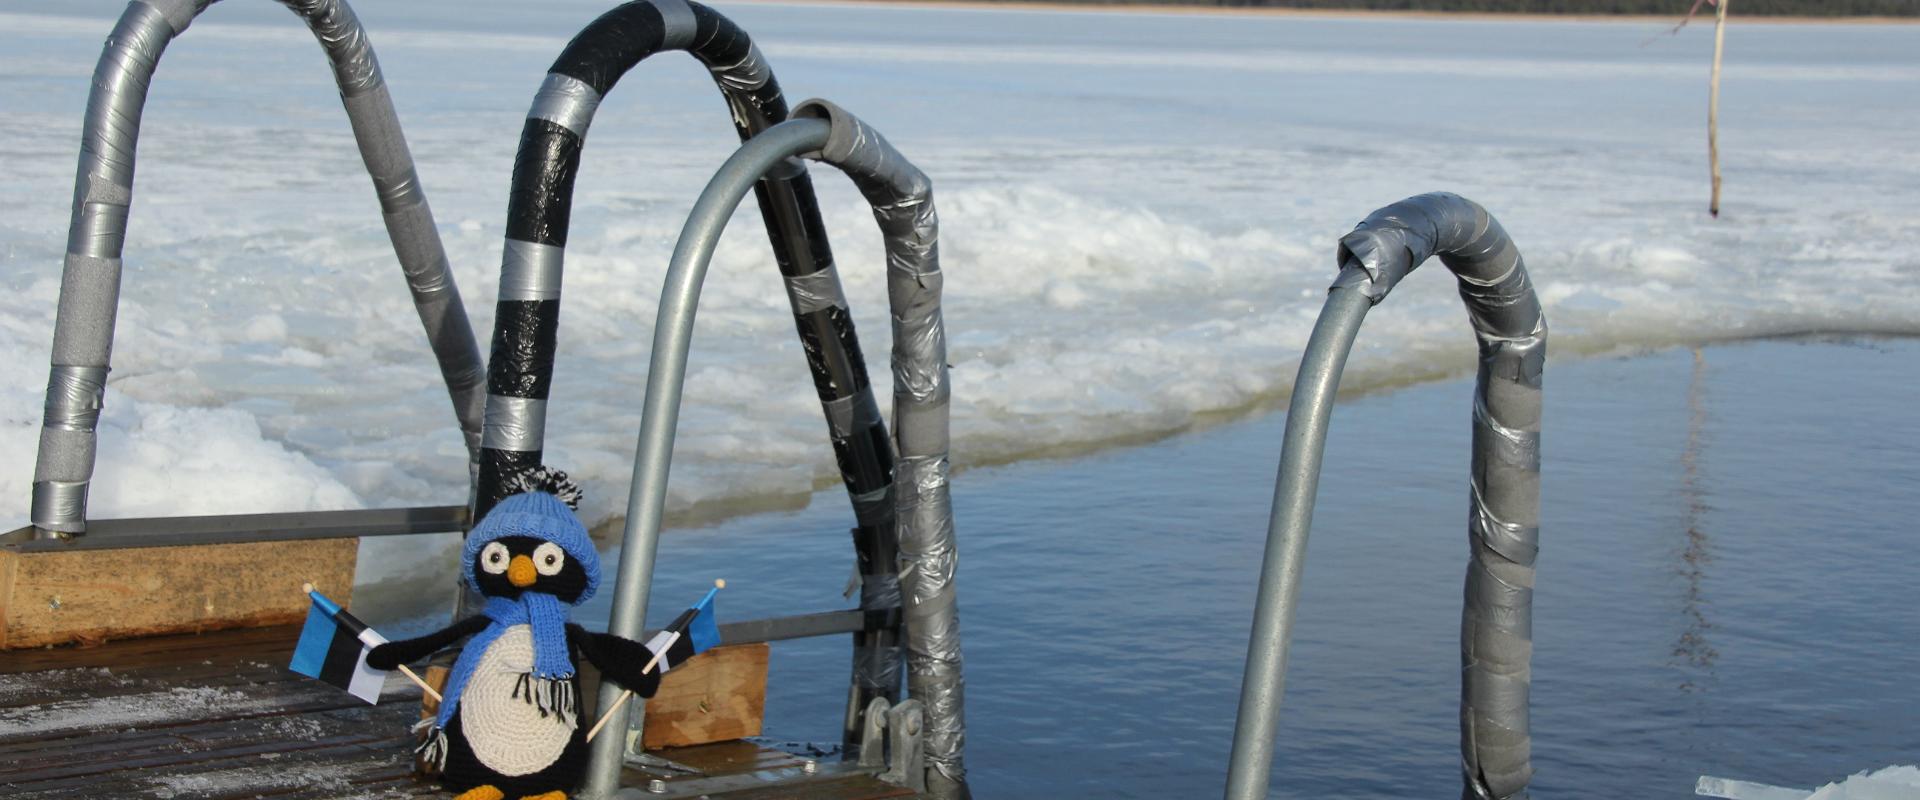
{"x":393,"y":654}
{"x":619,"y":660}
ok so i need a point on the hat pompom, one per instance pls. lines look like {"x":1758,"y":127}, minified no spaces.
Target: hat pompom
{"x":546,"y":479}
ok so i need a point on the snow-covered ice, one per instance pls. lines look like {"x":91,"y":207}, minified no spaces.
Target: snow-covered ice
{"x":1139,"y":212}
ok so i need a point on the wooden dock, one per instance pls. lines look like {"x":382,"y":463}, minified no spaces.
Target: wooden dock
{"x":218,"y":716}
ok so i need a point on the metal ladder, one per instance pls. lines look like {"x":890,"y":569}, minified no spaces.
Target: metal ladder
{"x":1496,"y":638}
{"x":90,"y":289}
{"x":881,"y":483}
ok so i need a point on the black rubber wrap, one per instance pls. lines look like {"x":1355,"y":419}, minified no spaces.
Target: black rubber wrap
{"x":539,"y":211}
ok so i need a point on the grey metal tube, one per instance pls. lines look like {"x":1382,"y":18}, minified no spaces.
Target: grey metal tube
{"x":1303,"y":445}
{"x":666,"y":374}
{"x":1504,"y":490}
{"x":902,"y":201}
{"x":103,"y":192}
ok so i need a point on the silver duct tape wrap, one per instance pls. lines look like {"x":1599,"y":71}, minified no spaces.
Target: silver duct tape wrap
{"x":56,"y":502}
{"x":179,"y":13}
{"x":516,"y":424}
{"x":74,"y":397}
{"x":851,"y":413}
{"x":333,"y":22}
{"x":531,"y":271}
{"x":845,"y":416}
{"x":816,"y":291}
{"x":678,"y":25}
{"x":928,"y":560}
{"x":1496,"y":635}
{"x":902,"y":200}
{"x":748,"y":74}
{"x":566,"y":101}
{"x":103,"y":185}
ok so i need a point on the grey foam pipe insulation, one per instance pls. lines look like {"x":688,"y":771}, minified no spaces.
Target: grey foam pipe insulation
{"x":527,"y":321}
{"x":103,"y":193}
{"x":1496,"y":632}
{"x":902,"y":202}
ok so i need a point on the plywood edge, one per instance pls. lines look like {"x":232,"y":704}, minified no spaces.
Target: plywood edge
{"x":8,"y":561}
{"x":89,"y":596}
{"x":720,"y":695}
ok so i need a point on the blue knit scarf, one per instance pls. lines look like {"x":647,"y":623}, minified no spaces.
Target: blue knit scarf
{"x":541,"y":611}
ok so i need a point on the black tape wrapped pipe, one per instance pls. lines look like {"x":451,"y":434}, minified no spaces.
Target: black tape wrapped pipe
{"x":1496,"y":627}
{"x":539,"y":207}
{"x":103,"y":192}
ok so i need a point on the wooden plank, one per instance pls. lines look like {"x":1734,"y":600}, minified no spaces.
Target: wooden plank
{"x":175,"y":706}
{"x":720,"y":695}
{"x":90,"y":596}
{"x":9,"y":564}
{"x":272,"y":645}
{"x":861,"y":787}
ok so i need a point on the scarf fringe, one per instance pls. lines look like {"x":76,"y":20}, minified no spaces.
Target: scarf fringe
{"x":432,"y":752}
{"x":553,"y":696}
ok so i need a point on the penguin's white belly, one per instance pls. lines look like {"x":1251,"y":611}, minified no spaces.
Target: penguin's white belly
{"x":507,"y":733}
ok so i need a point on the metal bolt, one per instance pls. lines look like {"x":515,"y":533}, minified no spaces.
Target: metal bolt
{"x":656,"y":786}
{"x":809,"y":766}
{"x":913,"y":726}
{"x":54,"y":602}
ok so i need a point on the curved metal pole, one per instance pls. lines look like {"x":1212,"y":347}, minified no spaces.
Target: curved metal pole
{"x":103,"y":191}
{"x":1504,"y":491}
{"x":666,"y":374}
{"x":528,"y":318}
{"x":902,"y":201}
{"x":1304,"y":442}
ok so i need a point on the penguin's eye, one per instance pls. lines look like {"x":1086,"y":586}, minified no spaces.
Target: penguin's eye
{"x":548,"y":558}
{"x":493,"y":558}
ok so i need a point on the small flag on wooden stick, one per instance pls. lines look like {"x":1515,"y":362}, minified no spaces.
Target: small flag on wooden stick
{"x":333,"y":648}
{"x":694,"y":632}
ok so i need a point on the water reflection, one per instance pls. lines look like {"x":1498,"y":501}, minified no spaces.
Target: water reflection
{"x":1693,"y":652}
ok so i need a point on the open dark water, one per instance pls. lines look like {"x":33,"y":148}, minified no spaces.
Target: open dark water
{"x":1727,"y":586}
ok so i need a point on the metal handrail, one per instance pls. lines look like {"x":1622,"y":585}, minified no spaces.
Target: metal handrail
{"x":902,"y":203}
{"x":285,"y":526}
{"x":1503,"y":527}
{"x":103,"y":191}
{"x":527,"y":322}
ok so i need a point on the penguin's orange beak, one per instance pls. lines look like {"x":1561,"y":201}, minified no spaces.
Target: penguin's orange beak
{"x":521,"y":573}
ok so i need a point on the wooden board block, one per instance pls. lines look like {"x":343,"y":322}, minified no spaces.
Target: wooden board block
{"x":89,"y":596}
{"x":719,"y":695}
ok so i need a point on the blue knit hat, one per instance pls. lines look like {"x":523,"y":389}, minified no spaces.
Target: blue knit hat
{"x":542,"y":516}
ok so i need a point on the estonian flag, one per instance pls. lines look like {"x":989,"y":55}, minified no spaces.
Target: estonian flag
{"x":333,"y":647}
{"x":693,"y":632}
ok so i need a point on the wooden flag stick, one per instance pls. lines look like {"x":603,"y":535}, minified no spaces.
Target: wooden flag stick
{"x":627,"y":694}
{"x":308,"y":588}
{"x":420,"y":683}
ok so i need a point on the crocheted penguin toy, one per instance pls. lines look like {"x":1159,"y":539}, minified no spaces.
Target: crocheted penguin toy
{"x":509,"y":726}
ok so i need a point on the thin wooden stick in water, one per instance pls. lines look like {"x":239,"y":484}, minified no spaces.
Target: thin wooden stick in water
{"x":627,"y":694}
{"x":308,"y":588}
{"x":1713,"y":104}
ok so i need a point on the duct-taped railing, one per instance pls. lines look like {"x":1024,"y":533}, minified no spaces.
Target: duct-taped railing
{"x":1496,"y":632}
{"x":528,"y":319}
{"x":902,"y":202}
{"x":103,"y":192}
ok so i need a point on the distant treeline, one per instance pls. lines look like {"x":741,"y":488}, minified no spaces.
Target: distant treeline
{"x":1672,"y":8}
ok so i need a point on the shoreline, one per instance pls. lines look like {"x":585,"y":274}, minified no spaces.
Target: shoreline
{"x":1326,"y":13}
{"x":715,"y":512}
